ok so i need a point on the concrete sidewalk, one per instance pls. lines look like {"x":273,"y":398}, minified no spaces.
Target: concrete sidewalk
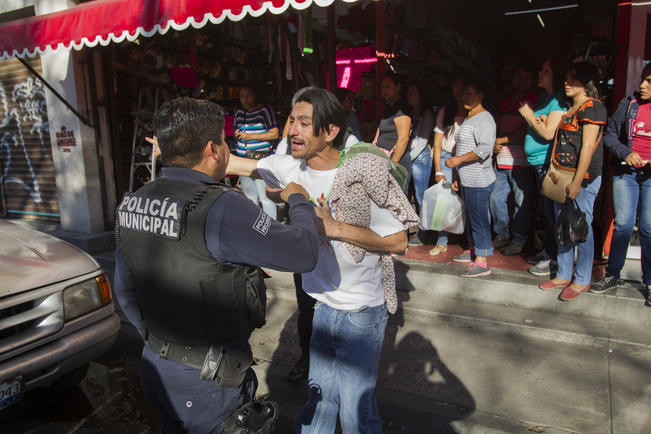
{"x":490,"y":355}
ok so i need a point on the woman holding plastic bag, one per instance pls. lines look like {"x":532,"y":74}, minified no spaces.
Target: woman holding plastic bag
{"x":473,"y":160}
{"x":578,"y":149}
{"x":448,"y":120}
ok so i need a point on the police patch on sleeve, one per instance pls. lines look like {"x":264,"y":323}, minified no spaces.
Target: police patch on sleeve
{"x":160,"y":216}
{"x":262,"y":223}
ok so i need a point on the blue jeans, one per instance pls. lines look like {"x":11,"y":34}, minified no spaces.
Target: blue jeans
{"x":447,"y":171}
{"x":520,"y":182}
{"x":478,"y":221}
{"x":540,"y":171}
{"x":344,"y":360}
{"x":585,"y":250}
{"x":421,"y":167}
{"x":254,"y":189}
{"x":629,"y":189}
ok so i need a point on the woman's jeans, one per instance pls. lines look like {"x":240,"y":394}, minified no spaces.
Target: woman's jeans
{"x":585,"y":250}
{"x":478,"y":222}
{"x":629,"y":189}
{"x":540,"y":171}
{"x":447,"y":171}
{"x":421,"y":168}
{"x":344,"y":361}
{"x":254,"y":189}
{"x":520,"y":182}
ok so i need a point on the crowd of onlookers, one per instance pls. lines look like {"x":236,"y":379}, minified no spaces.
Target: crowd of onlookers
{"x":497,"y":159}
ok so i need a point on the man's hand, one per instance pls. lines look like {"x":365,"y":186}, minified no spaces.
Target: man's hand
{"x":292,"y":188}
{"x":497,"y":147}
{"x":329,"y":223}
{"x":455,"y":185}
{"x":634,"y":159}
{"x":573,"y":189}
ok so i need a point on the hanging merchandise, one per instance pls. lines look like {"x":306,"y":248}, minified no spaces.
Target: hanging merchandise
{"x":308,"y":45}
{"x":301,"y":34}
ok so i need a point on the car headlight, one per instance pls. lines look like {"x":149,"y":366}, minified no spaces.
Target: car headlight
{"x":86,"y":296}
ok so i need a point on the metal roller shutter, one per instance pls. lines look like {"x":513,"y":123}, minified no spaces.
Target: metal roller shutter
{"x":26,"y":166}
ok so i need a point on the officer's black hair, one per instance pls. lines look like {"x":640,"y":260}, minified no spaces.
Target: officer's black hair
{"x":183,"y":128}
{"x":326,"y":111}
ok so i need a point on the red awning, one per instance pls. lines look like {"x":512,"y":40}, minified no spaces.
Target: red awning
{"x":106,"y":21}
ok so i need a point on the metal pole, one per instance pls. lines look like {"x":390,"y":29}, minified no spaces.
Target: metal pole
{"x":81,"y":117}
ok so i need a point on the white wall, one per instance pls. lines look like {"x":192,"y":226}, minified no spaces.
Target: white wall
{"x":76,"y":167}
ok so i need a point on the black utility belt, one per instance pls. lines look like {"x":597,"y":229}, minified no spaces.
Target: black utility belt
{"x":189,"y":355}
{"x":224,"y":365}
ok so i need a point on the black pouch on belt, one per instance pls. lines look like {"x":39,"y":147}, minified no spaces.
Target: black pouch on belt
{"x":227,"y":366}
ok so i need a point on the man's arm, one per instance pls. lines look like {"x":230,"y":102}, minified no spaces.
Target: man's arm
{"x":241,"y":166}
{"x":125,"y":291}
{"x":362,"y":237}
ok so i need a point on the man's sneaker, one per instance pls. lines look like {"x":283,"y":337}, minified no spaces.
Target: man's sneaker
{"x":648,"y":296}
{"x":415,"y":240}
{"x":475,"y":270}
{"x":538,"y":257}
{"x":604,"y":284}
{"x":542,"y":268}
{"x":511,"y":250}
{"x":466,"y":256}
{"x":499,"y":242}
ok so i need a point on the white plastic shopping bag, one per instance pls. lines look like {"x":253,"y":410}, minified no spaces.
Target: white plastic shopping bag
{"x":442,"y":209}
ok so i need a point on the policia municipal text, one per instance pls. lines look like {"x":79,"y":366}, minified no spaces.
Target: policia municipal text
{"x":187,"y":271}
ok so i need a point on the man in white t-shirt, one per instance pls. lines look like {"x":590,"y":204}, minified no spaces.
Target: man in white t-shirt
{"x":350,"y":314}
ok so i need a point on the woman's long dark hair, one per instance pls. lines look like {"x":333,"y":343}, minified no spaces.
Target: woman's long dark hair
{"x":451,"y":106}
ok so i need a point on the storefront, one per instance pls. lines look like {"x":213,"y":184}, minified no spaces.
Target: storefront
{"x":115,"y":61}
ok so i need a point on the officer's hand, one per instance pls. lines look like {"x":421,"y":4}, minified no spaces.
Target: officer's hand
{"x":292,"y":188}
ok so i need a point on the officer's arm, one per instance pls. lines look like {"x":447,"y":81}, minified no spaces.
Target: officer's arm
{"x":125,"y":291}
{"x":239,"y":231}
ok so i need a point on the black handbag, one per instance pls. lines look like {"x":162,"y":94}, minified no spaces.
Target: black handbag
{"x":571,"y":225}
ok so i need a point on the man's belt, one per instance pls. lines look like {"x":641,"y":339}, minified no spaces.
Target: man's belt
{"x":190,"y":355}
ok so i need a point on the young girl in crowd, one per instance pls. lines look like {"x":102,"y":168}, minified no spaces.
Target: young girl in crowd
{"x":448,"y":120}
{"x":543,"y":121}
{"x":579,"y":148}
{"x":473,"y":159}
{"x":419,"y":150}
{"x":393,"y":132}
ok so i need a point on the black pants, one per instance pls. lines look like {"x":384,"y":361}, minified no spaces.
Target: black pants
{"x":305,"y":315}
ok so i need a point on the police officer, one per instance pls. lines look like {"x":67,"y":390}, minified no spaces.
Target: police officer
{"x":187,"y":273}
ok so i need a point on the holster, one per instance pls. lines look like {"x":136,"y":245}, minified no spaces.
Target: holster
{"x":227,"y":365}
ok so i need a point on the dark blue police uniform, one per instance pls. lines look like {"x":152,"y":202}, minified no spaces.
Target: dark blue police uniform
{"x":236,"y":232}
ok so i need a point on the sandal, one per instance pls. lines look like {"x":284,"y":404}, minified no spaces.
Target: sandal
{"x":437,"y":250}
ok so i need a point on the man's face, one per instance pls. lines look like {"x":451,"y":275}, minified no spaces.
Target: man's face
{"x":304,"y":143}
{"x":522,"y":80}
{"x":645,"y":88}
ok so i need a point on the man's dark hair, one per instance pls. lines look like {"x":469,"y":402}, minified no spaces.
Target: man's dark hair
{"x":183,"y":128}
{"x":326,"y":110}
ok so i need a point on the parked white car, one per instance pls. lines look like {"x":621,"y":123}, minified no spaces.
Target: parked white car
{"x":56,"y":311}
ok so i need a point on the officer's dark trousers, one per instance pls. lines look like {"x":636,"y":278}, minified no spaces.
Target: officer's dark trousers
{"x":184,"y":402}
{"x":305,"y":315}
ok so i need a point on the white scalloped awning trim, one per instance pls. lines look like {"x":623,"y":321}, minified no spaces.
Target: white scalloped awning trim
{"x":132,"y":35}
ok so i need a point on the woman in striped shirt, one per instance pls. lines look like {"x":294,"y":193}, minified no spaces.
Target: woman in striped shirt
{"x":473,"y":160}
